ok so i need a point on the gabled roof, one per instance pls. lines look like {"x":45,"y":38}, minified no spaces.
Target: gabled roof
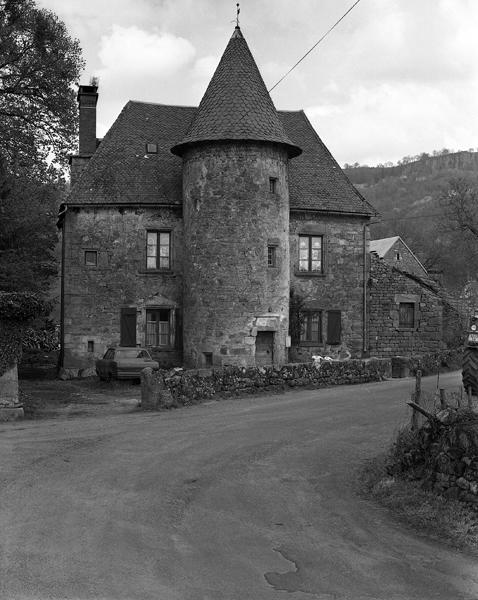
{"x":120,"y":171}
{"x":381,"y":247}
{"x":236,"y":105}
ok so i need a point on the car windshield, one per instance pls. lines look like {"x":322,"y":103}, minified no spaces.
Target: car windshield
{"x":132,"y":353}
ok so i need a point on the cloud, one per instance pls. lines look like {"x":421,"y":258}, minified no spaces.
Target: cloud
{"x":132,"y":53}
{"x":388,"y":122}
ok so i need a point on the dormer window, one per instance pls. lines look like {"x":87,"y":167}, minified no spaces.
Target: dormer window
{"x":151,"y":148}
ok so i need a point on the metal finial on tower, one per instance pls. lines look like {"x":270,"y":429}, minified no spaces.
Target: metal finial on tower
{"x":237,"y":14}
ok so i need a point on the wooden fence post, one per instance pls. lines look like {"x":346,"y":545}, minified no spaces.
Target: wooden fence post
{"x":414,"y":419}
{"x":442,"y":398}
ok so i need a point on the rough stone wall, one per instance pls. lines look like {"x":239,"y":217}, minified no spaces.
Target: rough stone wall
{"x":162,"y":389}
{"x":444,"y":455}
{"x":341,"y":286}
{"x":406,"y":262}
{"x":389,"y":287}
{"x":94,"y":295}
{"x":230,"y":218}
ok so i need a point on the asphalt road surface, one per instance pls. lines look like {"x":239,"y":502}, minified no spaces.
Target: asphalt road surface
{"x":235,"y":500}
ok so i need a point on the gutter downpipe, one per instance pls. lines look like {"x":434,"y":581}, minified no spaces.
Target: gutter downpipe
{"x":61,"y":224}
{"x":365,"y":327}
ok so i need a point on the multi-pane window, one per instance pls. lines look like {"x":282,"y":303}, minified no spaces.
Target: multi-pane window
{"x":151,"y":148}
{"x":158,"y":327}
{"x":312,"y":327}
{"x":310,"y":253}
{"x":406,"y":315}
{"x":271,"y":256}
{"x":158,"y":250}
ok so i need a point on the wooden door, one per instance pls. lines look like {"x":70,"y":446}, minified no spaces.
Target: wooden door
{"x":264,"y":348}
{"x":128,"y":327}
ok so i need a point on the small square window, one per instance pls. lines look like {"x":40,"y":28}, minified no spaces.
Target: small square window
{"x":91,"y":346}
{"x":91,"y":258}
{"x":273,"y":185}
{"x":151,"y":148}
{"x":272,"y":256}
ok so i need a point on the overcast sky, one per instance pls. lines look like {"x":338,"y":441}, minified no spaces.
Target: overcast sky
{"x":395,"y":78}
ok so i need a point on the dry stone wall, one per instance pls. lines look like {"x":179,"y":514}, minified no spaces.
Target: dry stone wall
{"x":163,"y":389}
{"x":446,"y":456}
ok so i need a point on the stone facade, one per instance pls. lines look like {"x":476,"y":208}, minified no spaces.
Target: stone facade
{"x":340,"y":287}
{"x":389,"y":288}
{"x":95,"y":294}
{"x":231,"y":217}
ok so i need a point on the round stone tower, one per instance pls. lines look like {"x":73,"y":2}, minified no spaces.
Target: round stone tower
{"x":236,"y":220}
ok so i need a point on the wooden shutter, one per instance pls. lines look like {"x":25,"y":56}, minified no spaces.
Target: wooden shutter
{"x":128,"y":327}
{"x":334,"y":326}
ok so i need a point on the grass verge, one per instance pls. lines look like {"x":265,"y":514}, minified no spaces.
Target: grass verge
{"x":429,"y":513}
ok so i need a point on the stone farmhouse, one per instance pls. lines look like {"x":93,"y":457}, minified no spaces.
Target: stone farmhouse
{"x":186,"y":228}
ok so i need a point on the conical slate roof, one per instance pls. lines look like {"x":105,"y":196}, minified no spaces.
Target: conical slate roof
{"x":236,"y":105}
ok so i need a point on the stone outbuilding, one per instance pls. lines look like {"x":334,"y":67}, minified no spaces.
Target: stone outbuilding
{"x":409,"y":314}
{"x":186,"y":229}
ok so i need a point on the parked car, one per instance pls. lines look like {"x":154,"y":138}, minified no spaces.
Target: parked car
{"x":124,"y":363}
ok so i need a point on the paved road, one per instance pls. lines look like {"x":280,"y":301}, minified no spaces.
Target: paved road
{"x":237,"y":500}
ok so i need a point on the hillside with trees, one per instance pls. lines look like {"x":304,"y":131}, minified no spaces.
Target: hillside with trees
{"x":431,"y":201}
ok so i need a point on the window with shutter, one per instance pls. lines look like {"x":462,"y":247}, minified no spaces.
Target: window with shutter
{"x":311,"y":328}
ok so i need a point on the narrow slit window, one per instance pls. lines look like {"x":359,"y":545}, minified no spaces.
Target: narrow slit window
{"x":272,"y":256}
{"x":273,"y":185}
{"x":91,"y":346}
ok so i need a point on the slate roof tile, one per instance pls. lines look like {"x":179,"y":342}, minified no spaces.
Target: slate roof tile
{"x":236,"y":104}
{"x":120,"y":171}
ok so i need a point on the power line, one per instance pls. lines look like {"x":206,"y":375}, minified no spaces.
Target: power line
{"x":315,"y":45}
{"x":405,"y":218}
{"x":301,"y":59}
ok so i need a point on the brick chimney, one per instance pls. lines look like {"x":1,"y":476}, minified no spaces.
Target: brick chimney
{"x":87,"y":98}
